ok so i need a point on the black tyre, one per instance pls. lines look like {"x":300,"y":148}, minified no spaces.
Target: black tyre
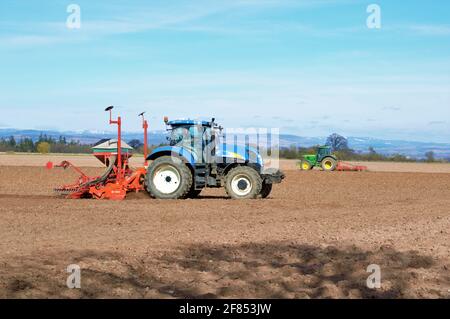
{"x":329,"y":164}
{"x":243,"y":182}
{"x":168,"y":178}
{"x":265,"y":190}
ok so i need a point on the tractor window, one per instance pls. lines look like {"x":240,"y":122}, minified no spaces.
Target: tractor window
{"x":323,"y":152}
{"x":180,"y":136}
{"x":207,"y":136}
{"x":195,"y":138}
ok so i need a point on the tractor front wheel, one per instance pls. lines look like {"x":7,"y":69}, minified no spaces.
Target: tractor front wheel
{"x":168,"y":178}
{"x":305,"y":166}
{"x":243,"y":182}
{"x":329,"y":164}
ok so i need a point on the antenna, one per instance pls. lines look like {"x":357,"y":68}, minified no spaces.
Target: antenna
{"x":145,"y":127}
{"x":120,"y":174}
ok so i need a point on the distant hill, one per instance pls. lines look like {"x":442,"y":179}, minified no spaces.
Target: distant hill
{"x":84,"y":137}
{"x":359,"y":144}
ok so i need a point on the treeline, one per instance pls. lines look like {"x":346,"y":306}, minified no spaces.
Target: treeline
{"x":138,"y":146}
{"x":44,"y":144}
{"x":294,"y":152}
{"x":340,"y":148}
{"x":339,"y":145}
{"x":47,"y":144}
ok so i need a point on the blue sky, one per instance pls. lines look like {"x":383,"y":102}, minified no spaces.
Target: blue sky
{"x":308,"y":67}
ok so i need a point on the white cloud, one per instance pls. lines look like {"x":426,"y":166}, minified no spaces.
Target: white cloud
{"x":186,"y":16}
{"x":28,"y":40}
{"x":431,"y":30}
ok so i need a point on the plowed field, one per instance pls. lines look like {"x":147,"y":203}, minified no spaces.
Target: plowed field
{"x":313,"y":238}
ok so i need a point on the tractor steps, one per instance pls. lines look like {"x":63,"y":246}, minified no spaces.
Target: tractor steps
{"x":200,"y":176}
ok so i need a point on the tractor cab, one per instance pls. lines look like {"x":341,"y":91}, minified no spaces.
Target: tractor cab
{"x":186,"y":133}
{"x":191,"y":136}
{"x":322,"y":152}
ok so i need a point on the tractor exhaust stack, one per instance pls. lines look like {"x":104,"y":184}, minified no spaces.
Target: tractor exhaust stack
{"x":145,"y":127}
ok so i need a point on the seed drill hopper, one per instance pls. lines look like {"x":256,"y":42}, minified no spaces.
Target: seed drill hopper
{"x":118,"y":179}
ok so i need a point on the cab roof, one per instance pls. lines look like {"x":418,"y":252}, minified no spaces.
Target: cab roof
{"x":188,"y":122}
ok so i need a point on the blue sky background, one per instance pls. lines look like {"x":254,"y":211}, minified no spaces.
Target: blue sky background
{"x":308,"y":67}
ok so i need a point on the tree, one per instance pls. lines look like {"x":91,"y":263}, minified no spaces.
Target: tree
{"x":12,"y":141}
{"x":43,"y":148}
{"x":430,"y":156}
{"x":62,"y":140}
{"x":337,"y":142}
{"x":26,"y":145}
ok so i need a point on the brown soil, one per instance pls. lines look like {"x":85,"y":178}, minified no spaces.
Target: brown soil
{"x":85,"y":160}
{"x":313,"y":238}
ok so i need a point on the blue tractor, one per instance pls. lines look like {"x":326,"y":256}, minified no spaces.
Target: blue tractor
{"x":196,"y":159}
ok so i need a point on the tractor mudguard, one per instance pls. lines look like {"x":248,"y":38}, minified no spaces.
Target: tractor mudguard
{"x":333,"y":157}
{"x":185,"y":154}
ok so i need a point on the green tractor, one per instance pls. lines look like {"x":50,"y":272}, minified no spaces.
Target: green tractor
{"x":323,"y":159}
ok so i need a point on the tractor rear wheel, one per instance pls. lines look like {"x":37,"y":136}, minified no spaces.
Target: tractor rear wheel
{"x":265,"y":190}
{"x":243,"y":182}
{"x":168,"y":178}
{"x":305,"y":166}
{"x":329,"y":164}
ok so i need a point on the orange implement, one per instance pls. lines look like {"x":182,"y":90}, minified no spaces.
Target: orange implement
{"x":118,"y":178}
{"x":347,"y":167}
